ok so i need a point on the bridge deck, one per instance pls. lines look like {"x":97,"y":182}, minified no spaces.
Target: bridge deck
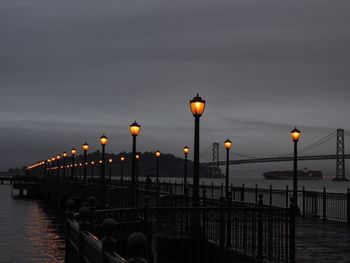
{"x":321,"y":242}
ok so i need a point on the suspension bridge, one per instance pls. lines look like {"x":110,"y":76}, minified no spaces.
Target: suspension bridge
{"x":340,"y":136}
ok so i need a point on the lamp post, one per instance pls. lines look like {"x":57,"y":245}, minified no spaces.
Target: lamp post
{"x":186,"y":151}
{"x":80,"y":165}
{"x":295,"y":133}
{"x":110,"y":160}
{"x":103,"y":141}
{"x":137,"y":156}
{"x":73,"y":152}
{"x":58,"y":157}
{"x":227,"y":145}
{"x":85,"y":149}
{"x":134,"y":130}
{"x":157,"y":154}
{"x":100,"y":165}
{"x":64,"y":163}
{"x":122,"y":159}
{"x":53,"y":159}
{"x":197,"y":105}
{"x":92,"y":170}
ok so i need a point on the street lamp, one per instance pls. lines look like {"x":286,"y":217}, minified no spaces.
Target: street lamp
{"x":64,"y":163}
{"x":103,"y":141}
{"x":73,"y":152}
{"x":85,"y":149}
{"x":53,"y":159}
{"x":80,"y":165}
{"x":227,"y":145}
{"x":110,"y":160}
{"x":134,"y":131}
{"x":122,"y":159}
{"x":197,"y":105}
{"x":186,"y":151}
{"x":295,"y":133}
{"x":157,"y":154}
{"x":92,"y":170}
{"x":58,"y":157}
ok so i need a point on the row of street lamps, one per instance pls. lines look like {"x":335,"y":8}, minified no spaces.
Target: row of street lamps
{"x":197,"y":106}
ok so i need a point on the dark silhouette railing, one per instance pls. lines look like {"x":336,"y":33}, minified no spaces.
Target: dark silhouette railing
{"x":258,"y":232}
{"x":328,"y":206}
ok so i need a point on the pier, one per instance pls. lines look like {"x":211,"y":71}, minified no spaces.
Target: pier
{"x":106,"y":219}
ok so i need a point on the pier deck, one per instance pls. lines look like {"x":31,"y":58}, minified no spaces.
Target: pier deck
{"x":322,"y":242}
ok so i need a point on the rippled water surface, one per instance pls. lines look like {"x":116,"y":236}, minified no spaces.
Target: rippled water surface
{"x":29,"y":231}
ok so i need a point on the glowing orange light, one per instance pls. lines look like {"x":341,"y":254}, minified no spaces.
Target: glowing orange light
{"x":228,"y":144}
{"x":135,"y":128}
{"x":197,"y":105}
{"x":295,"y":134}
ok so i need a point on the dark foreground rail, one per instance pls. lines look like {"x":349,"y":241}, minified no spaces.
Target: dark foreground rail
{"x":246,"y":234}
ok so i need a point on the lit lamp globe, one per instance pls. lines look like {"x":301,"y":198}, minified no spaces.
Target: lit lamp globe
{"x":85,"y":147}
{"x":197,"y":105}
{"x":157,"y":154}
{"x":137,"y":156}
{"x":295,"y":133}
{"x":228,"y":144}
{"x":135,"y":128}
{"x":73,"y":151}
{"x":186,"y":150}
{"x":110,"y":160}
{"x":92,"y":162}
{"x":122,"y":159}
{"x":64,"y":155}
{"x":100,"y":161}
{"x":53,"y":159}
{"x":58,"y":157}
{"x":103,"y":139}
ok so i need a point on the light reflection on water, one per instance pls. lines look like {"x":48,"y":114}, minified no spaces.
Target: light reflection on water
{"x":29,"y":231}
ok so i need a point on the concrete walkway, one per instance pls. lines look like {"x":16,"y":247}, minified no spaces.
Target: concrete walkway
{"x":321,"y":242}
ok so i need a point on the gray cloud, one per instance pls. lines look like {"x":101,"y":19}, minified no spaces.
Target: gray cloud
{"x":71,"y":70}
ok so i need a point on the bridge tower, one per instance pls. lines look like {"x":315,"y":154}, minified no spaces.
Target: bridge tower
{"x":215,"y":170}
{"x":340,"y":161}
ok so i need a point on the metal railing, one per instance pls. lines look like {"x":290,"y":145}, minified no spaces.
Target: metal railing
{"x":261,"y":233}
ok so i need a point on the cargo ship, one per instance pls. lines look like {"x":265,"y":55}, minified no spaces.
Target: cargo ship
{"x":304,"y":174}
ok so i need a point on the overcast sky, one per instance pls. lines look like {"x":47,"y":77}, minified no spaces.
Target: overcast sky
{"x":71,"y":70}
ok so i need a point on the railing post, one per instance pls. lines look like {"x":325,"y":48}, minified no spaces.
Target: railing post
{"x":92,"y":202}
{"x":228,"y":222}
{"x":287,"y":196}
{"x":242,"y":193}
{"x":348,"y":205}
{"x":260,"y":253}
{"x":84,"y":225}
{"x":137,"y":244}
{"x":324,"y":198}
{"x":222,"y":189}
{"x":270,"y":194}
{"x":256,"y":193}
{"x":292,"y":212}
{"x":70,"y":204}
{"x":146,"y":226}
{"x":212,"y":189}
{"x":222,"y":222}
{"x":108,"y":242}
{"x":303,"y":202}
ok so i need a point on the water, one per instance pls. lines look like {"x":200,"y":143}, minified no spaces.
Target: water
{"x":29,"y":231}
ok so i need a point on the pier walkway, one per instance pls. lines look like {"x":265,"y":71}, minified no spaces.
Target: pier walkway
{"x":322,"y":242}
{"x":317,"y":238}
